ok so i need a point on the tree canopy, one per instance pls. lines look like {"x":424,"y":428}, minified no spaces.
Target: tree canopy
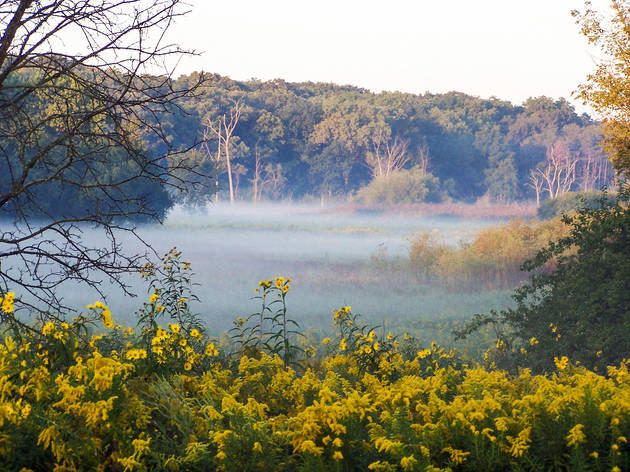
{"x":607,"y":89}
{"x":325,"y":138}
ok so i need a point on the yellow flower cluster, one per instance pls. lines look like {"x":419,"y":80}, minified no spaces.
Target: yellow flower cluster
{"x":106,"y":314}
{"x":6,"y":302}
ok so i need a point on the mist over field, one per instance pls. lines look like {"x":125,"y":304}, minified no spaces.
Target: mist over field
{"x":334,"y":257}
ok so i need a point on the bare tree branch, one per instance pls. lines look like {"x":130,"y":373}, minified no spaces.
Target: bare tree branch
{"x":76,"y":124}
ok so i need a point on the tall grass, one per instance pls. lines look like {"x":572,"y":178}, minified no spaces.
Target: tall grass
{"x":491,"y":261}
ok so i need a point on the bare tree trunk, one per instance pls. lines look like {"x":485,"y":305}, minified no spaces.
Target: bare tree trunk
{"x":224,"y":130}
{"x":257,"y":170}
{"x":558,"y":174}
{"x":387,"y":156}
{"x":536,"y":183}
{"x":423,"y":158}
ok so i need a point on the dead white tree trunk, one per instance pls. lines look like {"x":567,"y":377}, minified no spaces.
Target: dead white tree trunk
{"x":223,"y":129}
{"x":536,"y":183}
{"x":216,"y":159}
{"x":558,"y":171}
{"x":258,"y":167}
{"x":387,"y":156}
{"x":423,"y":158}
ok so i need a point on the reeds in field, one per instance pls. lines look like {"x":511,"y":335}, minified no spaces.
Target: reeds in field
{"x":491,"y":261}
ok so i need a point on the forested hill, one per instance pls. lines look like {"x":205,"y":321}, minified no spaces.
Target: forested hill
{"x":324,"y":139}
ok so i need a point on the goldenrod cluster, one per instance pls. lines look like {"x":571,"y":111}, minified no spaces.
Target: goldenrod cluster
{"x":106,"y":403}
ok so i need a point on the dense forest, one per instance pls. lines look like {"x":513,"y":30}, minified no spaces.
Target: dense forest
{"x":295,"y":140}
{"x":277,"y":140}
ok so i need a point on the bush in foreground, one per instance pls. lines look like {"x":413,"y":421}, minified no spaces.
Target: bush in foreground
{"x":581,"y":308}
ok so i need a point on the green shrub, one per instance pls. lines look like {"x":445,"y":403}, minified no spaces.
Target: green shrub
{"x":571,"y":201}
{"x":403,"y":186}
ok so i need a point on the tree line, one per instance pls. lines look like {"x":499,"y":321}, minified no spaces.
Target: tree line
{"x":277,"y":139}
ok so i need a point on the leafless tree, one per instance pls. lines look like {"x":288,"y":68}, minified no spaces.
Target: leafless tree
{"x":256,"y":180}
{"x":594,"y":171}
{"x":238,"y":171}
{"x":557,"y":173}
{"x":273,"y":178}
{"x":424,"y":159}
{"x":82,"y":87}
{"x":387,"y":155}
{"x":222,"y":129}
{"x":536,"y":182}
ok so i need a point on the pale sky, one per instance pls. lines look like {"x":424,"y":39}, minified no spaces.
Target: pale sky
{"x":505,"y":48}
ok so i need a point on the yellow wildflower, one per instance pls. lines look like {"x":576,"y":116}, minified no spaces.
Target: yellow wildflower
{"x":7,"y":302}
{"x":154,"y":298}
{"x":457,"y":456}
{"x":520,"y":443}
{"x":561,"y":363}
{"x":48,"y":329}
{"x":195,"y":333}
{"x":337,"y":456}
{"x":576,"y":435}
{"x":257,"y":447}
{"x":424,"y":353}
{"x":211,"y":350}
{"x":309,"y":447}
{"x":408,"y":462}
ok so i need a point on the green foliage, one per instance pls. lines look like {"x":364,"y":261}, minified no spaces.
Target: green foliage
{"x":270,"y":330}
{"x":606,"y":88}
{"x":581,"y":308}
{"x":170,"y":285}
{"x":402,"y":186}
{"x":571,"y":201}
{"x":323,"y":136}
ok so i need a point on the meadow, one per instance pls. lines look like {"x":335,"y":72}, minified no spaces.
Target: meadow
{"x":336,"y":256}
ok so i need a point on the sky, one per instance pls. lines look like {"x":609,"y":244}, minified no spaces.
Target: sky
{"x":503,"y":48}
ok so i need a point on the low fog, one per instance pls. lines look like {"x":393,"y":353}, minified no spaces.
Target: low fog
{"x":334,"y":257}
